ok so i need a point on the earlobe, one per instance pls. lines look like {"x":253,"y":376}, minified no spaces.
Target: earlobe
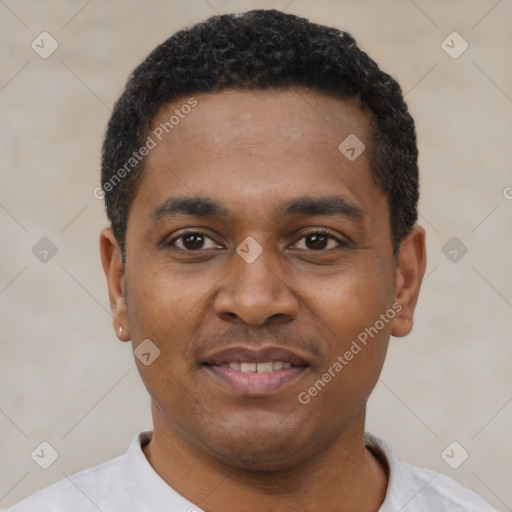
{"x":410,"y":270}
{"x":111,"y":260}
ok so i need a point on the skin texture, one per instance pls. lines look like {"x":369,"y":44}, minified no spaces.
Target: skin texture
{"x":251,"y":152}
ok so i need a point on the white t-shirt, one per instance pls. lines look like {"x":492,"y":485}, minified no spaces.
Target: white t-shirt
{"x":129,"y":484}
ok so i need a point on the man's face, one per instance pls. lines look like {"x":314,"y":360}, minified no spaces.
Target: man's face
{"x":263,"y":166}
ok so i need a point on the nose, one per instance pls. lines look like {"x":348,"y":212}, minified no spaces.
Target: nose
{"x":256,"y":293}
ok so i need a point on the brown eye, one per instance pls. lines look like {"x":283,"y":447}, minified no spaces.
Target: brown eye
{"x":193,"y":241}
{"x":316,"y":241}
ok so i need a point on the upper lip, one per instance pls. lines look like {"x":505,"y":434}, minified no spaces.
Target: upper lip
{"x":244,"y":354}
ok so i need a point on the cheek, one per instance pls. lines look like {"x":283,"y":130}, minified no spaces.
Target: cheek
{"x":353,"y":312}
{"x":160,"y":300}
{"x":160,"y":308}
{"x":168,"y":307}
{"x":350,"y":301}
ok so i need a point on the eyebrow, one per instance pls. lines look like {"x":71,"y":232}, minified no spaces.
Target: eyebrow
{"x":328,"y":205}
{"x":306,"y":206}
{"x":195,"y":206}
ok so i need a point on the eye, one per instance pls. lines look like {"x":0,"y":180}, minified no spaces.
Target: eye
{"x":193,"y":241}
{"x":318,"y":241}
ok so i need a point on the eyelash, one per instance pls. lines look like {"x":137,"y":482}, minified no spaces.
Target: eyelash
{"x":319,"y":231}
{"x":182,"y":235}
{"x":326,"y":233}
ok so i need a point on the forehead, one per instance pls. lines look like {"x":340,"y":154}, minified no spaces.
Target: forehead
{"x":257,"y":146}
{"x":238,"y":117}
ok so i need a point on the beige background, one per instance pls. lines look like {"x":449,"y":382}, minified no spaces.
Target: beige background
{"x":66,"y":380}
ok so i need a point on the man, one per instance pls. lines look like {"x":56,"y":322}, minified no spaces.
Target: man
{"x":260,"y":177}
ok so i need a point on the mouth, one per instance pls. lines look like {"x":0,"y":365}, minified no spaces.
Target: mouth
{"x":252,"y":372}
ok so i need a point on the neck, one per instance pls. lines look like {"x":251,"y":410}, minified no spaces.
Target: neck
{"x":345,"y":477}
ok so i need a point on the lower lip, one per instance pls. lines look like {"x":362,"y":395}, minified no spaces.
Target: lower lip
{"x":254,"y":383}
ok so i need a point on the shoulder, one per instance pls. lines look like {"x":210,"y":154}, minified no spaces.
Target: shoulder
{"x":123,"y":484}
{"x":107,"y":486}
{"x":427,"y":488}
{"x":414,"y":489}
{"x":82,"y":491}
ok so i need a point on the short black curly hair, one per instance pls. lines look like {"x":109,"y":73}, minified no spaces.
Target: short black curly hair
{"x":259,"y":50}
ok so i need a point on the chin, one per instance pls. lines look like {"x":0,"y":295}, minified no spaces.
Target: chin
{"x":257,"y":449}
{"x":260,"y":461}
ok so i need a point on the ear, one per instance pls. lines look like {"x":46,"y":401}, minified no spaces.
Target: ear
{"x":111,"y":259}
{"x":412,"y":260}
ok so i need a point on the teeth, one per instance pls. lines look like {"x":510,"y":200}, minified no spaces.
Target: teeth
{"x":258,"y":367}
{"x":264,"y":367}
{"x":248,"y":367}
